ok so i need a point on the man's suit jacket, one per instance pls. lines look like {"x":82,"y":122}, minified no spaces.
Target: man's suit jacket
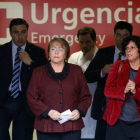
{"x":93,"y":73}
{"x":36,"y":53}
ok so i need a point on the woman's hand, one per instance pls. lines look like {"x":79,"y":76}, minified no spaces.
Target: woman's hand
{"x":127,"y":88}
{"x":75,"y":115}
{"x":130,"y":87}
{"x":55,"y":115}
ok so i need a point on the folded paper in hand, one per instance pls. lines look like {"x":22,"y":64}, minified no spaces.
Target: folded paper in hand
{"x":65,"y":116}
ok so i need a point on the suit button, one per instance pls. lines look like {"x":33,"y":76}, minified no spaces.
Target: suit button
{"x":61,"y":102}
{"x":138,"y":107}
{"x":60,"y":92}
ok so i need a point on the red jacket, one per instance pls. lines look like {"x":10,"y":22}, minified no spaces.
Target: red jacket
{"x":114,"y":91}
{"x":44,"y":93}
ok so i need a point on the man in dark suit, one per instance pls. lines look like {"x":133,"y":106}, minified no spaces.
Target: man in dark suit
{"x":15,"y":108}
{"x":98,"y":71}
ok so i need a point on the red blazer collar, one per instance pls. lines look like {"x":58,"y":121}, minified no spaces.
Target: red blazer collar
{"x":126,"y":73}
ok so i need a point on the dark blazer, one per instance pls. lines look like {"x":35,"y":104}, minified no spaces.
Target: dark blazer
{"x":45,"y":92}
{"x":36,"y":53}
{"x":93,"y":73}
{"x":114,"y":90}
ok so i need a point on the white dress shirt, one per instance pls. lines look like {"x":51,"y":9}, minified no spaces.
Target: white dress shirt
{"x":90,"y":124}
{"x":116,"y":54}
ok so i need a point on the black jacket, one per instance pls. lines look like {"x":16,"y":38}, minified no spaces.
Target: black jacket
{"x":38,"y":56}
{"x":93,"y":73}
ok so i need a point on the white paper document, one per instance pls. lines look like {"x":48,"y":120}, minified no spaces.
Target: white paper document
{"x":65,"y":116}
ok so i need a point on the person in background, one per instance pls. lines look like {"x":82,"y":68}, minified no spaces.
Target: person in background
{"x":55,"y":88}
{"x":18,"y":58}
{"x":122,"y":89}
{"x":98,"y":71}
{"x":87,"y":42}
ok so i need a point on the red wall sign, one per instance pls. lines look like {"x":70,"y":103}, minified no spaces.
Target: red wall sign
{"x":62,"y":18}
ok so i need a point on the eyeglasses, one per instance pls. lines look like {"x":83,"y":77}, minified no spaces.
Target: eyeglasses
{"x":59,"y":49}
{"x":132,"y":48}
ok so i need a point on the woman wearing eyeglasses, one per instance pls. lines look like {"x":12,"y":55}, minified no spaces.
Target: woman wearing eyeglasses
{"x":55,"y":88}
{"x":122,"y":89}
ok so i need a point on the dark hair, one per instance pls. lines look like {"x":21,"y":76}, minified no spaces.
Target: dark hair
{"x":64,"y":44}
{"x":125,"y":42}
{"x":18,"y":21}
{"x":123,"y":25}
{"x":87,"y":30}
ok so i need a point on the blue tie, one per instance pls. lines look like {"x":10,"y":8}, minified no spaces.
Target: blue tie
{"x":16,"y":74}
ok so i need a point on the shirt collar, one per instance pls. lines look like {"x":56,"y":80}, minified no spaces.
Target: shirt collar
{"x":95,"y":51}
{"x":14,"y":47}
{"x":117,"y":51}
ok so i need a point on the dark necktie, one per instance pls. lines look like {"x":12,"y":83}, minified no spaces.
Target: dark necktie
{"x":16,"y":74}
{"x":120,"y":55}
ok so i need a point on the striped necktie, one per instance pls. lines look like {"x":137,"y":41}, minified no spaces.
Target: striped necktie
{"x":16,"y":74}
{"x":119,"y":56}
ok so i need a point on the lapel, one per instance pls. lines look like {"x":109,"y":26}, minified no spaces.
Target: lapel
{"x":9,"y":59}
{"x":125,"y":71}
{"x":137,"y":79}
{"x":111,"y":51}
{"x":112,"y":54}
{"x":24,"y":66}
{"x":28,"y":48}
